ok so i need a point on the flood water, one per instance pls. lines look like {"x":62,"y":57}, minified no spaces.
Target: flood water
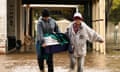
{"x":26,"y":62}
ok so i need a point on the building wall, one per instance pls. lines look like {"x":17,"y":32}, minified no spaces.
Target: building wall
{"x":99,"y":23}
{"x":11,"y":17}
{"x":10,"y":23}
{"x":3,"y":25}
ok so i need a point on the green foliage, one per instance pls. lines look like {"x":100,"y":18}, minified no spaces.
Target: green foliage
{"x":116,"y":4}
{"x":115,"y":11}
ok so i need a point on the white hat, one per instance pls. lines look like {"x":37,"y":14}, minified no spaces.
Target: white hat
{"x":78,"y":15}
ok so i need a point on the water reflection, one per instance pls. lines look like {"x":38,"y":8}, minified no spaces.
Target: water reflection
{"x":26,"y":62}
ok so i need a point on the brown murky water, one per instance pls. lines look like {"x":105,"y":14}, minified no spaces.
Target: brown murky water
{"x":26,"y":62}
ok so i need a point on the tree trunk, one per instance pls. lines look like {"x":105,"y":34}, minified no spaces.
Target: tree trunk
{"x":108,"y":8}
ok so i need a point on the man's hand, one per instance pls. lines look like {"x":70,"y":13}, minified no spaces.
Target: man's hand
{"x":101,"y":41}
{"x":43,"y":45}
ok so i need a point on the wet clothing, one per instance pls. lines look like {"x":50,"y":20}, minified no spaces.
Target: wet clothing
{"x":78,"y":37}
{"x":77,"y":60}
{"x":49,"y":61}
{"x":44,"y":27}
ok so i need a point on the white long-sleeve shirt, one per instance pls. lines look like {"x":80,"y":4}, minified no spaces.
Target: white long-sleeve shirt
{"x":78,"y":40}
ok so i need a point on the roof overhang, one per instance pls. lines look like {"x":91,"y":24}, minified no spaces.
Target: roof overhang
{"x":51,"y":5}
{"x":55,"y":1}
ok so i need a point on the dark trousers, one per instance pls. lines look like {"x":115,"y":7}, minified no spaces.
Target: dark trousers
{"x":49,"y":61}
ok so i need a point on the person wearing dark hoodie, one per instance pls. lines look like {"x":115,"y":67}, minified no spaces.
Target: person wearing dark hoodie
{"x":45,"y":25}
